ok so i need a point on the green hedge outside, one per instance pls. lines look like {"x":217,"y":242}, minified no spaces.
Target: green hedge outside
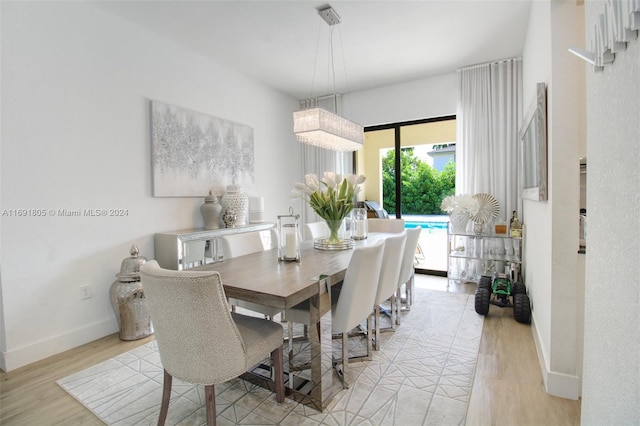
{"x":423,"y":187}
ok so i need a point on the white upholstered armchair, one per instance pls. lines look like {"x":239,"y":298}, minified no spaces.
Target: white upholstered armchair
{"x":199,"y":339}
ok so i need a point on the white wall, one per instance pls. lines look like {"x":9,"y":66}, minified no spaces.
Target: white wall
{"x":536,"y":67}
{"x":611,"y":384}
{"x":425,"y":98}
{"x":551,"y":259}
{"x":565,"y":179}
{"x":76,"y":84}
{"x":2,"y":330}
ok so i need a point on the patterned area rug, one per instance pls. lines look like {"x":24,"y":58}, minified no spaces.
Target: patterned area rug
{"x":423,"y":374}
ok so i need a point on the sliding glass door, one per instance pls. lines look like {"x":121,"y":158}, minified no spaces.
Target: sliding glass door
{"x":410,"y":167}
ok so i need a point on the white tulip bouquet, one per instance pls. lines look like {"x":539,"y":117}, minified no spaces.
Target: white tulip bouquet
{"x":331,"y":197}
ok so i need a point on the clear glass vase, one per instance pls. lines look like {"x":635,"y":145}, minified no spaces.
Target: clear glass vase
{"x":334,"y":231}
{"x":335,"y":240}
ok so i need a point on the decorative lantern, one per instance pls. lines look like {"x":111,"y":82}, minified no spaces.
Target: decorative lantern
{"x":359,"y":228}
{"x":288,"y":237}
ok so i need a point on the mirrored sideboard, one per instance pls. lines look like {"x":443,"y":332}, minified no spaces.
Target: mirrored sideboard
{"x":187,"y":248}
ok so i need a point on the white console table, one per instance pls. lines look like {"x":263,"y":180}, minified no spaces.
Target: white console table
{"x":171,"y":248}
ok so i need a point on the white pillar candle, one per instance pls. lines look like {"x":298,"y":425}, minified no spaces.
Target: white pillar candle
{"x":291,"y":246}
{"x":359,"y":229}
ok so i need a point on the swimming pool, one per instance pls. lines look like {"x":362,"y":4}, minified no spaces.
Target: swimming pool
{"x":427,"y":222}
{"x":426,"y":225}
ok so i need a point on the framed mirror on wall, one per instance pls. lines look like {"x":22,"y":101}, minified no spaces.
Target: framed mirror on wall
{"x":533,"y":148}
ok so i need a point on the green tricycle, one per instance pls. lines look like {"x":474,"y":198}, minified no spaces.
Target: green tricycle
{"x":500,"y":291}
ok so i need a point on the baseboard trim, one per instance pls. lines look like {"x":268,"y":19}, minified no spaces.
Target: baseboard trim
{"x":10,"y":360}
{"x":431,"y":272}
{"x":556,"y":384}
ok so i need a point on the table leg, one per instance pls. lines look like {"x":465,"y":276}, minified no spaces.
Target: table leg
{"x":324,"y":383}
{"x":317,"y":388}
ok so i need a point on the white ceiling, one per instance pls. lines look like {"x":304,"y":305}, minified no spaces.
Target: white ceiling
{"x":282,"y":43}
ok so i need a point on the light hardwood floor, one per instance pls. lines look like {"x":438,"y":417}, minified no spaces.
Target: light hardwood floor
{"x":508,"y":387}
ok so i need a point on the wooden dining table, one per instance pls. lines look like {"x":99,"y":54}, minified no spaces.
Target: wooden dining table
{"x":261,"y":278}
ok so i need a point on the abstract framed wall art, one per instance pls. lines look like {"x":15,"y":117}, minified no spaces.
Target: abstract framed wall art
{"x":193,"y":153}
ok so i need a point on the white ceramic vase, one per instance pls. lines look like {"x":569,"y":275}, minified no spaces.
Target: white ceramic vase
{"x":238,"y":202}
{"x":458,"y":220}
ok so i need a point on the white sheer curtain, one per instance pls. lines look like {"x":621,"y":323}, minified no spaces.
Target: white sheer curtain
{"x":318,"y":160}
{"x":488,"y":116}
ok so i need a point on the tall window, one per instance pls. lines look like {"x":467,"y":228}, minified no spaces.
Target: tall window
{"x":411,"y":161}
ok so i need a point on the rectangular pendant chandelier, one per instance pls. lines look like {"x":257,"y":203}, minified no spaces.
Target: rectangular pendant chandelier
{"x":324,"y":129}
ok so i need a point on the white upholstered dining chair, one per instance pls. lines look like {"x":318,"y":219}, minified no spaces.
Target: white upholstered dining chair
{"x":407,"y":270}
{"x":388,"y":281}
{"x":239,"y":245}
{"x":353,"y":305}
{"x":199,"y":339}
{"x":315,"y":230}
{"x":235,"y":245}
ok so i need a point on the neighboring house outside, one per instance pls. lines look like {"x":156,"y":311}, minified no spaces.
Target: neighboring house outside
{"x":441,"y":155}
